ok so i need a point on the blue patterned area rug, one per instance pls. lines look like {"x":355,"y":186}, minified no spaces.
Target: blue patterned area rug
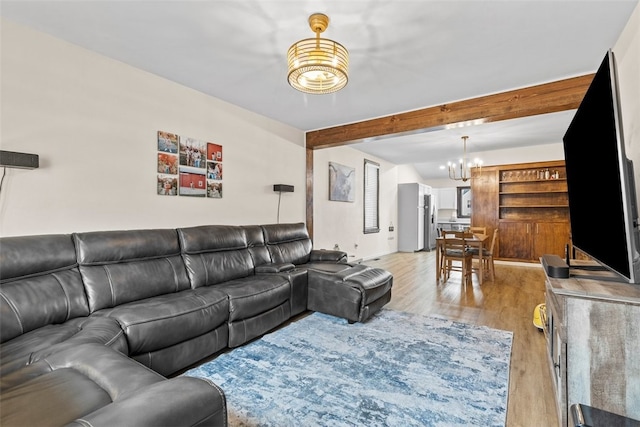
{"x":397,"y":369}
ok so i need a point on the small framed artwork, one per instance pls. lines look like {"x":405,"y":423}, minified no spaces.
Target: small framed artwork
{"x":167,"y":163}
{"x":193,"y":153}
{"x":192,"y":182}
{"x":167,"y":142}
{"x":214,"y":152}
{"x":214,"y":170}
{"x":214,"y":189}
{"x":342,"y":182}
{"x":167,"y":185}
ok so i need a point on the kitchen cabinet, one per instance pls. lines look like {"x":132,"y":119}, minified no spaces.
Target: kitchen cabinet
{"x":528,"y":203}
{"x":447,"y":198}
{"x":524,"y":240}
{"x":590,"y":327}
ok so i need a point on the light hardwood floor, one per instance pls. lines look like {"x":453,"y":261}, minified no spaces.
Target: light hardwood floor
{"x":506,"y":303}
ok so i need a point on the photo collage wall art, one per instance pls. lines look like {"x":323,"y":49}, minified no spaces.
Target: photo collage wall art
{"x":188,"y":167}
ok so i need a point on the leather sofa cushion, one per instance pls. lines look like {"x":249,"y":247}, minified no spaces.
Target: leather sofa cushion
{"x":30,"y":303}
{"x":119,"y":267}
{"x":165,"y":320}
{"x":330,"y":267}
{"x":50,"y":339}
{"x":58,"y":397}
{"x":215,"y":254}
{"x":24,"y":256}
{"x":169,"y":360}
{"x":257,"y":246}
{"x":255,"y":295}
{"x":374,"y":283}
{"x":107,"y":247}
{"x":117,"y":284}
{"x":288,"y":242}
{"x":94,"y":385}
{"x":39,"y":283}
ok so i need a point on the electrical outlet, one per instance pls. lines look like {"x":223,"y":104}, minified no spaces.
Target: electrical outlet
{"x":391,"y":228}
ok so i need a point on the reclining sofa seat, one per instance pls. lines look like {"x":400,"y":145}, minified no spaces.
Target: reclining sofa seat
{"x":94,"y":385}
{"x":290,"y":243}
{"x":352,"y":292}
{"x":138,"y":278}
{"x":43,"y":307}
{"x":218,"y":257}
{"x":261,"y":257}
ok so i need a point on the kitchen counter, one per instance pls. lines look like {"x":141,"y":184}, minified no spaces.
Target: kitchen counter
{"x":460,"y":221}
{"x":453,"y":225}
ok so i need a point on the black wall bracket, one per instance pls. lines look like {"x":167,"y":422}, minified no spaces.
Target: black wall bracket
{"x":11,"y":159}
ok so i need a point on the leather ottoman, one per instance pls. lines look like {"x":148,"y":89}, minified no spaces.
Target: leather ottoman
{"x":354,"y":294}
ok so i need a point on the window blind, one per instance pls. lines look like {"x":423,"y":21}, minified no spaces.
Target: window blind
{"x":371,"y":196}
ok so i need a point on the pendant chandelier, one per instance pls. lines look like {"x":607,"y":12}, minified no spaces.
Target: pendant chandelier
{"x":318,"y":65}
{"x":462,"y":170}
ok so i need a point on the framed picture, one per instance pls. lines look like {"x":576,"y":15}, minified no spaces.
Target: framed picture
{"x":167,"y":142}
{"x":342,"y":182}
{"x":214,"y":152}
{"x":214,"y":189}
{"x":167,"y":185}
{"x":214,"y":170}
{"x":188,"y":167}
{"x":167,"y":164}
{"x":193,"y":153}
{"x":192,"y":182}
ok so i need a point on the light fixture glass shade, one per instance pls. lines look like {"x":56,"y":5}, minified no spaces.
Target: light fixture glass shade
{"x":318,"y":65}
{"x":464,"y":167}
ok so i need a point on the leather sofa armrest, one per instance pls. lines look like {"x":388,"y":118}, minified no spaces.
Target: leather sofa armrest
{"x":275,"y":267}
{"x":183,"y":401}
{"x":328,"y":255}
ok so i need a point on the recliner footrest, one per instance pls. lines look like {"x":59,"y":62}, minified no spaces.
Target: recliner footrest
{"x":353,"y":294}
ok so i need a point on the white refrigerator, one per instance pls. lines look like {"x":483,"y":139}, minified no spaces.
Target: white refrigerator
{"x":416,"y":218}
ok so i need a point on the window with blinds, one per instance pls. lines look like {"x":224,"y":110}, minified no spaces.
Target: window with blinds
{"x":371,"y":196}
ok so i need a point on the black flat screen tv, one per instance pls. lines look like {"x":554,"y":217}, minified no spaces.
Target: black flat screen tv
{"x":600,"y":179}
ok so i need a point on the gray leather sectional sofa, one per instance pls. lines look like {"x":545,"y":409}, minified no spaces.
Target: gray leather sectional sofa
{"x":92,"y":324}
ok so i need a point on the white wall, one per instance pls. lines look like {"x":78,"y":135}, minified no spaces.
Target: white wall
{"x":627,"y":54}
{"x":342,"y":222}
{"x":93,"y":122}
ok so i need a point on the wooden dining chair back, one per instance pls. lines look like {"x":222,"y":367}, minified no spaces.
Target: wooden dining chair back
{"x":477,"y":230}
{"x":456,"y":255}
{"x":487,"y":256}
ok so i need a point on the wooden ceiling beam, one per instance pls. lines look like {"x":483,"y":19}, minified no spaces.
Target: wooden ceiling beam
{"x":530,"y":101}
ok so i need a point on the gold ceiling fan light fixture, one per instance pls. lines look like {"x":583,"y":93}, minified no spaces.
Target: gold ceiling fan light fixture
{"x":318,"y":65}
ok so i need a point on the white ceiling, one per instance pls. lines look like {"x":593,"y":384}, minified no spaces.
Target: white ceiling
{"x":404,"y":55}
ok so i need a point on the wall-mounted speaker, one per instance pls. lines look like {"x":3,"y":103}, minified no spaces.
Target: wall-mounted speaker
{"x":283,"y":188}
{"x":12,"y":159}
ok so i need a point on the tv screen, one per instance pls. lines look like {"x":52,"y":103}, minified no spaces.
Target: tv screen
{"x":600,"y":179}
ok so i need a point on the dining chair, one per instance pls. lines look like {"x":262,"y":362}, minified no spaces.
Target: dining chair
{"x":487,"y":256}
{"x":477,"y":230}
{"x":456,"y":255}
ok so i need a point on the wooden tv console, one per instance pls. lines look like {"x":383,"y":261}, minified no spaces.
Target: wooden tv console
{"x":592,"y":328}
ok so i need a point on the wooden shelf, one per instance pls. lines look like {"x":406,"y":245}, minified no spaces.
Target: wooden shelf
{"x":531,"y":213}
{"x":533,"y":192}
{"x":524,"y":181}
{"x":532,"y":206}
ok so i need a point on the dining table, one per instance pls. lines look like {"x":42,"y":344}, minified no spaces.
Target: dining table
{"x":476,"y":240}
